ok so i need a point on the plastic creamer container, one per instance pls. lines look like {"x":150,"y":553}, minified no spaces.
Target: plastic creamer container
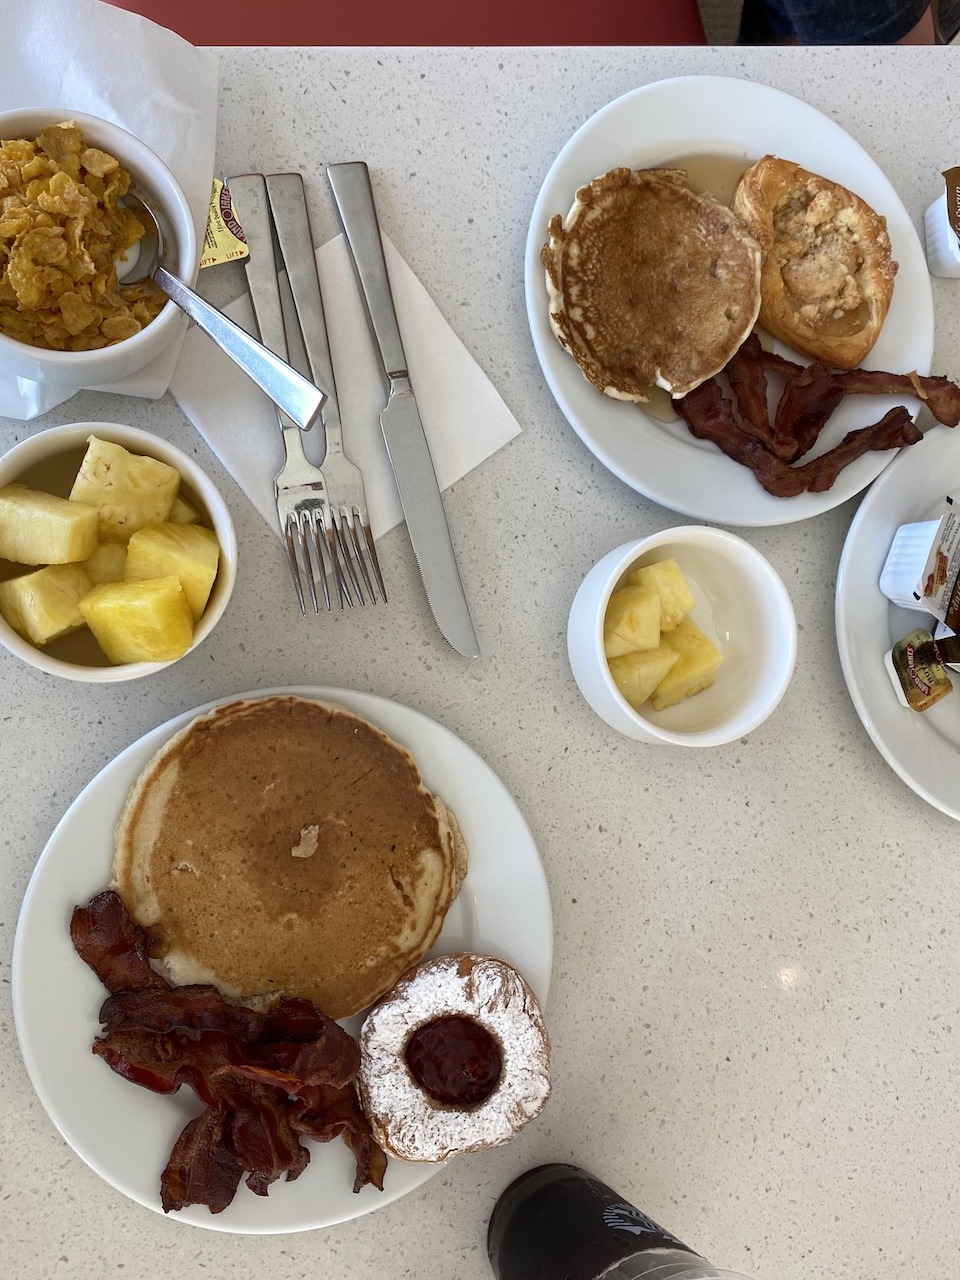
{"x":922,"y":568}
{"x":941,"y":224}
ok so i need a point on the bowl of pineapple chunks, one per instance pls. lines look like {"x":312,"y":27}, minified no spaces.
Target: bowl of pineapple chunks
{"x":117,"y":553}
{"x":687,"y":637}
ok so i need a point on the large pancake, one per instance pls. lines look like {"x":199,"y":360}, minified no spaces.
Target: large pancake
{"x":650,"y":284}
{"x":281,"y":845}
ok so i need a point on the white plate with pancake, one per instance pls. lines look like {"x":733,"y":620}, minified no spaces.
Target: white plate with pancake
{"x":125,"y":1132}
{"x":717,"y":120}
{"x":924,"y":749}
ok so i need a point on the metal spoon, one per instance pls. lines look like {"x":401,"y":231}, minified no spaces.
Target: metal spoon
{"x":288,"y":389}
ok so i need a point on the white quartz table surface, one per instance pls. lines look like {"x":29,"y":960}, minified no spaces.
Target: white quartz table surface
{"x":755,"y":997}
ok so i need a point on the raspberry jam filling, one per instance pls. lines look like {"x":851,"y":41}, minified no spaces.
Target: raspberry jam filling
{"x":455,"y":1060}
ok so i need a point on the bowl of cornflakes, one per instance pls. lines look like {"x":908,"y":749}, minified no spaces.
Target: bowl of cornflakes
{"x":65,"y":317}
{"x":118,"y":555}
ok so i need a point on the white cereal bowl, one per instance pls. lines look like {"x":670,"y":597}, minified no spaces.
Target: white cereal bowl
{"x":50,"y":449}
{"x":78,"y":369}
{"x":741,"y":604}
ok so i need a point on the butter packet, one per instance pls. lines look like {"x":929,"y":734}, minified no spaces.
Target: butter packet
{"x":916,"y":666}
{"x":938,"y":591}
{"x":224,"y":240}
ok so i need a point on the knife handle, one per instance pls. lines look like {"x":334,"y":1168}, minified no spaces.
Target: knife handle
{"x":288,"y":204}
{"x":353,"y":195}
{"x":249,"y":192}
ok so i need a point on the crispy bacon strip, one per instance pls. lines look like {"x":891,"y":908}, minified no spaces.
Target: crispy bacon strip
{"x":709,"y":415}
{"x":113,"y":946}
{"x":940,"y":395}
{"x":321,"y":1113}
{"x":805,"y":405}
{"x":202,"y":1168}
{"x":266,"y":1077}
{"x":748,"y":382}
{"x":894,"y":430}
{"x":260,"y":1134}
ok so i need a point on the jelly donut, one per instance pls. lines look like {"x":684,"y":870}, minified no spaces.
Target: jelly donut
{"x":454,"y":1059}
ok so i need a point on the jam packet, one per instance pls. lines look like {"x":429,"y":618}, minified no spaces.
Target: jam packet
{"x":916,"y":666}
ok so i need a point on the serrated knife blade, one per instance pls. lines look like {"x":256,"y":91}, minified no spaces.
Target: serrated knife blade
{"x":400,"y":422}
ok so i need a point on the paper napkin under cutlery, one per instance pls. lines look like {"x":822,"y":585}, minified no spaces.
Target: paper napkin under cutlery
{"x":464,"y":417}
{"x":90,"y":57}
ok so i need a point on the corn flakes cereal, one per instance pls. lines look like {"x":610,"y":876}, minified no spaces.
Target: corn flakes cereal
{"x":61,"y":233}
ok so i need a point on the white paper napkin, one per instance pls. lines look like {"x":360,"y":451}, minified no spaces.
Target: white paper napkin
{"x":464,"y":418}
{"x":85,"y":56}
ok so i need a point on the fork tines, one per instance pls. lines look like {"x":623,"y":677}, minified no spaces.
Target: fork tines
{"x":352,"y":550}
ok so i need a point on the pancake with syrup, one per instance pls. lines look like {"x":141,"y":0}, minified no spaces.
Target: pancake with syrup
{"x":650,"y":284}
{"x":283,"y":845}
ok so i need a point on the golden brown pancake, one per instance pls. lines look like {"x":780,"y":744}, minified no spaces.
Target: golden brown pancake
{"x":282,"y":845}
{"x":650,"y":283}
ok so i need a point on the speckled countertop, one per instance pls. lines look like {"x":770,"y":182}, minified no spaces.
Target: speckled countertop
{"x":754,"y":1002}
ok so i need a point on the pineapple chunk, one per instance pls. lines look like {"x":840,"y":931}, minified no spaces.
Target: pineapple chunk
{"x":140,"y":621}
{"x":183,"y":513}
{"x":632,"y":621}
{"x":666,"y":578}
{"x":106,"y":563}
{"x":128,"y":490}
{"x":189,"y":551}
{"x":637,"y":674}
{"x":698,"y":660}
{"x":45,"y":604}
{"x":38,"y":528}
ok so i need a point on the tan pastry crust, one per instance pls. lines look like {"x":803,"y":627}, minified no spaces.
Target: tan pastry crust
{"x":404,"y":1119}
{"x":827,"y":275}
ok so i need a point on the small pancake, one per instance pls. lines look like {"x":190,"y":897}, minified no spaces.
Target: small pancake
{"x":281,"y":845}
{"x":650,"y":284}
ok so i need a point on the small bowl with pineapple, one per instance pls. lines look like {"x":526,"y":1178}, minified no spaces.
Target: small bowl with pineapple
{"x":117,"y":553}
{"x":686,"y":637}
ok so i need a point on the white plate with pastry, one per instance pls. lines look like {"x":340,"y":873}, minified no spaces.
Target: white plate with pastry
{"x":124,"y":1132}
{"x":722,"y":126}
{"x":923,"y":748}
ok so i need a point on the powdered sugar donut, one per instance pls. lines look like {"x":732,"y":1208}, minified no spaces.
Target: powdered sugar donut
{"x":454,"y":1059}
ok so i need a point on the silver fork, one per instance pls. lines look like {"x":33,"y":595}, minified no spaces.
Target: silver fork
{"x":303,"y":507}
{"x":351,"y":524}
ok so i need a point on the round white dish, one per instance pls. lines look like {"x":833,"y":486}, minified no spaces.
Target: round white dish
{"x":923,"y":749}
{"x":73,"y":370}
{"x":741,"y":605}
{"x":718,"y":116}
{"x":43,"y":450}
{"x":124,"y":1132}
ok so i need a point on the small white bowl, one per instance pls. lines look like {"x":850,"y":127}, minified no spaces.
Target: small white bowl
{"x":741,"y":605}
{"x":78,"y":369}
{"x":50,"y":450}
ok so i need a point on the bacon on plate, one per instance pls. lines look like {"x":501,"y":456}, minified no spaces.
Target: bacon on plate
{"x":265,"y":1077}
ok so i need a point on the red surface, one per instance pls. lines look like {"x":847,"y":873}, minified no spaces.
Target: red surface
{"x":426,"y":22}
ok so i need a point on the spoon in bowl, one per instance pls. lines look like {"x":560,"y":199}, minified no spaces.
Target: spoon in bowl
{"x":289,"y":390}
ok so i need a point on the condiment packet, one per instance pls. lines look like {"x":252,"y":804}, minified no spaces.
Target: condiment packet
{"x":938,"y":591}
{"x":941,"y":224}
{"x":223,"y":240}
{"x":916,"y":666}
{"x":922,"y":568}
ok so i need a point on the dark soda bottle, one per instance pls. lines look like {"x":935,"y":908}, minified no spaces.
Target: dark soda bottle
{"x":557,"y":1222}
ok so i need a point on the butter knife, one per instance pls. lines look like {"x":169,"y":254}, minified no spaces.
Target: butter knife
{"x":400,"y":420}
